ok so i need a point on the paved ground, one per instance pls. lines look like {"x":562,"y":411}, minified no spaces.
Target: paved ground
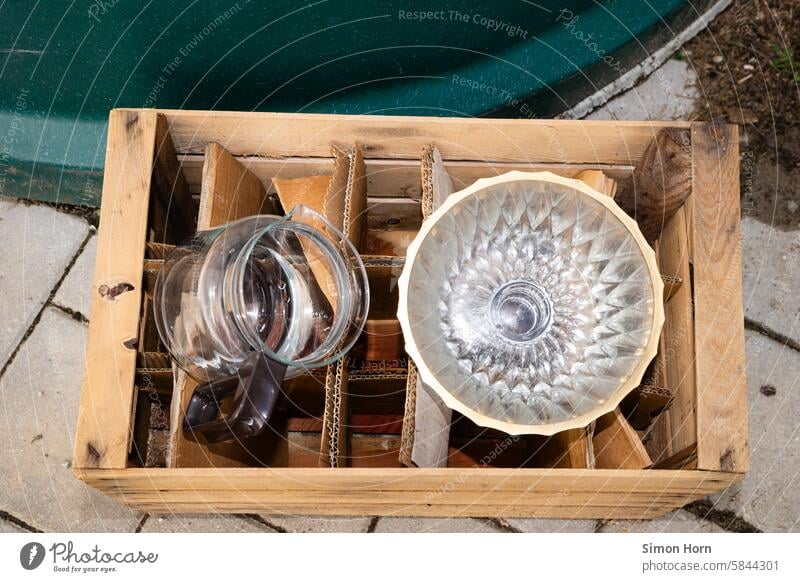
{"x":47,"y":259}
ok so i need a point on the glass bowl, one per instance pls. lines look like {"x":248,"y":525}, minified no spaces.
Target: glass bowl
{"x":531,"y":303}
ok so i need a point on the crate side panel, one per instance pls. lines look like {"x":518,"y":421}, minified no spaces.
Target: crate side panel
{"x":509,"y":140}
{"x":480,"y":492}
{"x":106,"y":406}
{"x":719,"y":315}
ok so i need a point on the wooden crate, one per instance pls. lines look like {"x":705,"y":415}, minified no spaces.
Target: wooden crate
{"x":159,"y":162}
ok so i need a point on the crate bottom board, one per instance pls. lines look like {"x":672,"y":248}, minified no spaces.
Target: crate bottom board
{"x":545,"y":493}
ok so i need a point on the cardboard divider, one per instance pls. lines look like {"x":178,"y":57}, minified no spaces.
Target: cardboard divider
{"x":150,"y":439}
{"x":346,"y":206}
{"x":426,"y":423}
{"x":382,"y":339}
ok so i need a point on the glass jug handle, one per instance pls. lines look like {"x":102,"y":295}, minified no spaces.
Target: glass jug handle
{"x":255,"y":390}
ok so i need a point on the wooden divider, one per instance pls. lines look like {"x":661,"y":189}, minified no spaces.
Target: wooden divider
{"x":172,"y":215}
{"x":674,"y":432}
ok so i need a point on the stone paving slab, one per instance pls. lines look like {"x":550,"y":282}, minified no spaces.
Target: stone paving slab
{"x":771,"y":276}
{"x":39,"y":395}
{"x":553,"y":525}
{"x":76,"y":289}
{"x":36,"y":245}
{"x":202,"y":524}
{"x":435,"y":525}
{"x":668,"y":93}
{"x":769,"y":496}
{"x":8,"y":527}
{"x":319,"y":524}
{"x":680,"y":521}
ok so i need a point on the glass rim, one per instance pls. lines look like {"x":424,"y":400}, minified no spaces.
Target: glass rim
{"x":347,"y":329}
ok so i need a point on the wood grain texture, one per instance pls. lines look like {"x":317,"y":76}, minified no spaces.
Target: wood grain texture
{"x":106,"y":407}
{"x":382,"y":339}
{"x":578,"y":452}
{"x":513,"y":140}
{"x":711,"y":219}
{"x":719,"y":318}
{"x":391,"y":178}
{"x":172,"y":212}
{"x":616,"y":445}
{"x":599,"y":181}
{"x":677,"y":363}
{"x":433,"y":492}
{"x":229,"y":190}
{"x":661,"y":182}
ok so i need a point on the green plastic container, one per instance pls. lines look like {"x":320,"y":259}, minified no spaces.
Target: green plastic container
{"x":62,"y":68}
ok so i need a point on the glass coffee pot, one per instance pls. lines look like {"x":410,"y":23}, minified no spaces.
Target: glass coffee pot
{"x":241,"y":306}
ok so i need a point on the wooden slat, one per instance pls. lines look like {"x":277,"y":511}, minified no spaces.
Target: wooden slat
{"x":157,"y":251}
{"x":229,"y":190}
{"x":445,"y":492}
{"x":172,"y":213}
{"x":599,"y":181}
{"x":719,"y":339}
{"x":392,"y":178}
{"x":678,"y":348}
{"x":512,"y":140}
{"x":280,"y":480}
{"x":578,"y":454}
{"x":160,"y":379}
{"x":658,"y":438}
{"x":106,"y":407}
{"x":148,"y":332}
{"x":616,"y":445}
{"x":685,"y":459}
{"x":157,"y":360}
{"x":241,"y":504}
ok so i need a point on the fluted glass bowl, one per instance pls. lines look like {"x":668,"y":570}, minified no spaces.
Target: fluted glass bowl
{"x":531,"y":303}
